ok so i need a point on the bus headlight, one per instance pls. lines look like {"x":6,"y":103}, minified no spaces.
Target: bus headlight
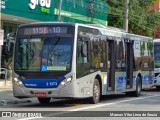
{"x":69,"y":79}
{"x":16,"y":79}
{"x":18,"y":82}
{"x":63,"y":83}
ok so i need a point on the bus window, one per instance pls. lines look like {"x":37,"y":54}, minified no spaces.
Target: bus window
{"x":82,"y":50}
{"x":103,"y":53}
{"x":96,"y":53}
{"x":83,"y":64}
{"x":120,"y":65}
{"x":150,"y":51}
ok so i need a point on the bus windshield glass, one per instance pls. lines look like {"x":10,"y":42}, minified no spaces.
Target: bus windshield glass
{"x":43,"y":54}
{"x":157,"y":56}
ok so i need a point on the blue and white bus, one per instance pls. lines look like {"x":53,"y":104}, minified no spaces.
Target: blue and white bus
{"x":157,"y":63}
{"x":71,"y":60}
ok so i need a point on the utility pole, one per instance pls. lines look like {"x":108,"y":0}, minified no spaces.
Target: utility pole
{"x":60,"y":7}
{"x":125,"y":24}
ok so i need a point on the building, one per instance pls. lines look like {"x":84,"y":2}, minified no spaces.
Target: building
{"x":14,"y":13}
{"x":18,"y":12}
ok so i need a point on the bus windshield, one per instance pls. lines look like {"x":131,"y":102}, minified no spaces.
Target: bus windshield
{"x":157,"y":56}
{"x":43,"y":54}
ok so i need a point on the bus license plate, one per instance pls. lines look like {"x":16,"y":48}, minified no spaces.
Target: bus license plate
{"x":40,"y":94}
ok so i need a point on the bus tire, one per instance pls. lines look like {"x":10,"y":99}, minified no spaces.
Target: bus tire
{"x":44,"y":100}
{"x":137,"y":93}
{"x":96,"y":92}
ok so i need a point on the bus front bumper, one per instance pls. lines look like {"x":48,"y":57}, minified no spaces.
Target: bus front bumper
{"x":62,"y":92}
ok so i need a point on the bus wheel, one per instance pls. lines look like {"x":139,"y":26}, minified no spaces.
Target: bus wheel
{"x":138,"y":89}
{"x":44,"y":100}
{"x":137,"y":93}
{"x":96,"y":92}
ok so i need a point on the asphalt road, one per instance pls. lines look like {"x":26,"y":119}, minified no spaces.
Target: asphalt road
{"x":148,"y":102}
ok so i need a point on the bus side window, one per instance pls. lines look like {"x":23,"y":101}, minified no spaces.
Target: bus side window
{"x":120,"y":55}
{"x":82,"y":51}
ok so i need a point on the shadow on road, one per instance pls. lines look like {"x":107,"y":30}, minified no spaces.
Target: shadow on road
{"x":73,"y":102}
{"x":152,"y":90}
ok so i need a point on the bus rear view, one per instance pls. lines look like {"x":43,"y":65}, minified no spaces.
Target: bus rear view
{"x":43,"y":60}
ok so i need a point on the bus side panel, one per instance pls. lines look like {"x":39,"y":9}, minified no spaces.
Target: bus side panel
{"x":120,"y":84}
{"x":84,"y":85}
{"x":147,"y":79}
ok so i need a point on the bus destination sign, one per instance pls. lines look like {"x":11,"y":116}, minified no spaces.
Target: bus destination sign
{"x":44,"y":30}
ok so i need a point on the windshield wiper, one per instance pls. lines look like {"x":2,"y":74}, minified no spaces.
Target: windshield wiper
{"x":55,"y":42}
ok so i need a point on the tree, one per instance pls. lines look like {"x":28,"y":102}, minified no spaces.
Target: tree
{"x":142,"y":18}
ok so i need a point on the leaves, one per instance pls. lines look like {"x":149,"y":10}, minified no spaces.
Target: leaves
{"x":142,"y":19}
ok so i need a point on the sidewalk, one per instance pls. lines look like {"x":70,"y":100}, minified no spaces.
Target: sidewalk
{"x":5,"y":84}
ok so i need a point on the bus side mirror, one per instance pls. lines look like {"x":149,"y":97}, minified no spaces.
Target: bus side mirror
{"x":10,"y":39}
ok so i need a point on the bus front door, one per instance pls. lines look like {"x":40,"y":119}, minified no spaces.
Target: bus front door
{"x":110,"y":65}
{"x":129,"y":64}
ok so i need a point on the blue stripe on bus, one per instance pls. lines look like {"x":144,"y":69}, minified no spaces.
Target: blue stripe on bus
{"x":147,"y":79}
{"x":121,"y":84}
{"x":41,"y":83}
{"x":134,"y":80}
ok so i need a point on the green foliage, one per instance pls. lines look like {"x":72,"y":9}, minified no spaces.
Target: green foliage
{"x":142,"y":19}
{"x":115,"y":13}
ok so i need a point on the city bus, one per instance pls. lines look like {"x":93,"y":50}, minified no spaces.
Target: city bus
{"x":156,"y":43}
{"x":77,"y":61}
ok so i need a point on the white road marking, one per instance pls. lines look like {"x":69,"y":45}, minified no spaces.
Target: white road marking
{"x":107,"y":104}
{"x":31,"y":118}
{"x":93,"y":106}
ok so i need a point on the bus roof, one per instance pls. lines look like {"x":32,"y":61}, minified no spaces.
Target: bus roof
{"x":109,"y":31}
{"x":46,"y":23}
{"x":116,"y":32}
